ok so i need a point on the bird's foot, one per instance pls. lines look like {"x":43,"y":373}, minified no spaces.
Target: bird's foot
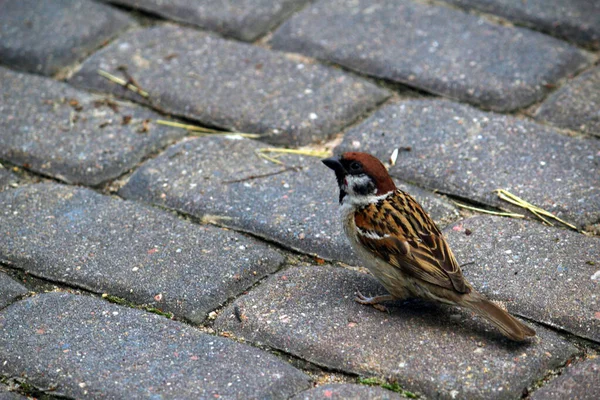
{"x":373,"y":301}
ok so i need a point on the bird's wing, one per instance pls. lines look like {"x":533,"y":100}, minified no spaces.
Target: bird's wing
{"x":398,"y":231}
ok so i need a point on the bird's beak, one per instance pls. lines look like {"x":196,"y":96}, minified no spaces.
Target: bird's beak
{"x":335,"y":164}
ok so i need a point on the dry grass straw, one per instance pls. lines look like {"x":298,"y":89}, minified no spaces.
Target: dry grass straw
{"x":123,"y":82}
{"x":200,"y":131}
{"x":262,"y":153}
{"x":483,"y":210}
{"x":535,"y":210}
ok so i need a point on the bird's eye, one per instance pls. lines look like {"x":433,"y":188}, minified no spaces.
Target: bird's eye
{"x":355,"y":166}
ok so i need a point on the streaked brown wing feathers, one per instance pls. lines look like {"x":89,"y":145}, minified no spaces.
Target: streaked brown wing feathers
{"x":400,"y":232}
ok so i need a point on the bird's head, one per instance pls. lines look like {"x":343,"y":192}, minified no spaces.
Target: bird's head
{"x":361,"y":177}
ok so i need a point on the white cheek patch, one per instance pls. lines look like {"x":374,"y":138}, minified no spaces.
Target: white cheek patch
{"x":371,"y":234}
{"x":355,"y":181}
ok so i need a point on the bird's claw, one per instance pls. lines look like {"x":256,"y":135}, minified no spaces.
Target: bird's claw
{"x":361,"y":298}
{"x":373,"y":301}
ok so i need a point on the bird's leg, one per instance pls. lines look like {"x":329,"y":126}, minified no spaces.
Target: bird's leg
{"x":373,"y":301}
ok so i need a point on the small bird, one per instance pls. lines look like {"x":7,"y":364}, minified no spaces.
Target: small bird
{"x":402,"y":246}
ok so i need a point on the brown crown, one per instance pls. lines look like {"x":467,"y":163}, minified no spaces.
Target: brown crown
{"x":374,"y":168}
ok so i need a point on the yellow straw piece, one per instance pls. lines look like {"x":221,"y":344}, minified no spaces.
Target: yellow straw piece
{"x":537,"y":211}
{"x":502,"y":214}
{"x":271,"y":159}
{"x":305,"y":152}
{"x":123,"y":83}
{"x":205,"y":131}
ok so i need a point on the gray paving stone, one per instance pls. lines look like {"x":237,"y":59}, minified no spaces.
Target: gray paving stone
{"x":144,"y":255}
{"x":7,"y":179}
{"x":576,"y":105}
{"x":347,"y":392}
{"x":5,"y":394}
{"x":241,"y":19}
{"x":576,"y":382}
{"x":9,"y":290}
{"x":233,"y":85}
{"x":88,"y":348}
{"x":436,"y":350}
{"x":433,"y":48}
{"x":298,"y":209}
{"x":469,"y":153}
{"x":57,"y":130}
{"x":547,"y":274}
{"x":574,"y":20}
{"x":44,"y":36}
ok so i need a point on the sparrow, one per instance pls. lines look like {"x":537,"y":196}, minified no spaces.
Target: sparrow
{"x":401,"y":245}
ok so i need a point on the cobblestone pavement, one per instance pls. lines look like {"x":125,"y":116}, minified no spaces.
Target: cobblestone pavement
{"x":140,"y":259}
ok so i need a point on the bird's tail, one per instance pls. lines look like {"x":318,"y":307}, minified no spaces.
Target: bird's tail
{"x":508,"y":325}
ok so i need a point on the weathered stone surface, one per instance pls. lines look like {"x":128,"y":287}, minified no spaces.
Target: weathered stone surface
{"x":434,"y":48}
{"x":147,"y":256}
{"x":5,"y":394}
{"x":241,"y":19}
{"x":574,"y":20}
{"x":469,"y":153}
{"x":88,"y":348}
{"x":9,"y":290}
{"x":43,"y":36}
{"x":7,"y":179}
{"x":578,"y":381}
{"x":347,"y":392}
{"x":576,"y":105}
{"x":546,"y":274}
{"x":71,"y":135}
{"x":433,"y":349}
{"x":233,"y":85}
{"x":297,"y":208}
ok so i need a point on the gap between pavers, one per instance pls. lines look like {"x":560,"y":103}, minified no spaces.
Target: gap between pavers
{"x":47,"y":36}
{"x":83,"y":347}
{"x":144,"y":255}
{"x":10,"y":290}
{"x":77,"y":137}
{"x":222,"y":180}
{"x":7,"y":179}
{"x":434,"y":48}
{"x":576,"y":105}
{"x":465,"y":152}
{"x":579,"y":381}
{"x":436,"y":350}
{"x":347,"y":391}
{"x":575,"y":20}
{"x":241,"y":19}
{"x":543,"y":273}
{"x":5,"y":394}
{"x":236,"y":86}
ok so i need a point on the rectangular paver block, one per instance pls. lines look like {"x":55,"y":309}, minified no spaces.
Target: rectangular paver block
{"x":83,"y":347}
{"x":145,"y":255}
{"x":9,"y":290}
{"x":434,"y":48}
{"x":578,"y":381}
{"x":241,"y":19}
{"x":69,"y":134}
{"x":233,"y":85}
{"x":223,"y":180}
{"x":347,"y":391}
{"x":546,"y":274}
{"x":574,"y":20}
{"x":432,"y":349}
{"x":45,"y":36}
{"x":468,"y":153}
{"x":576,"y":105}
